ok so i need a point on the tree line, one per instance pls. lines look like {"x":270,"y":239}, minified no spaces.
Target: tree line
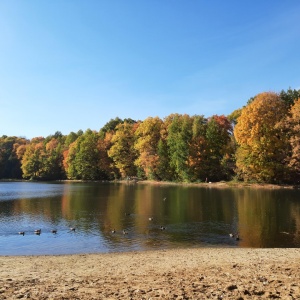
{"x":259,"y":142}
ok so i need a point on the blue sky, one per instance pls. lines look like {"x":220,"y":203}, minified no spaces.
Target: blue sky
{"x":67,"y":65}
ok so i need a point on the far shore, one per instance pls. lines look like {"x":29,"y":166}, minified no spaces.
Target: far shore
{"x":219,"y":184}
{"x":224,"y":184}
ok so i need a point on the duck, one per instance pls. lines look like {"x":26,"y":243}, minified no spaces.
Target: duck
{"x":231,"y":235}
{"x":54,"y":231}
{"x":237,"y":238}
{"x":113,"y":231}
{"x":22,"y":233}
{"x":150,"y":219}
{"x":38,"y":231}
{"x":72,"y":229}
{"x":125,"y":232}
{"x":162,"y":228}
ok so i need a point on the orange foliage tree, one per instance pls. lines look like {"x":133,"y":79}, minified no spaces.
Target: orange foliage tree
{"x":106,"y":165}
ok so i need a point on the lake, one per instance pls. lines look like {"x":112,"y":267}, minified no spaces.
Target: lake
{"x":152,"y":216}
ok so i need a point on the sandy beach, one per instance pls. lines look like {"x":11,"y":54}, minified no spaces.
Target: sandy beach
{"x":198,"y":273}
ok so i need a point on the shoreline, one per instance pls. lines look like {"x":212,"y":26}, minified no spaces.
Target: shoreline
{"x":194,"y":273}
{"x":219,"y":184}
{"x":223,"y":184}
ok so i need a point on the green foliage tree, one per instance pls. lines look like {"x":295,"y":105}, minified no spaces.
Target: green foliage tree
{"x":70,"y":138}
{"x":82,"y":159}
{"x":10,"y":164}
{"x":42,"y":159}
{"x":110,"y":126}
{"x":163,"y":169}
{"x":198,"y":151}
{"x":53,"y":160}
{"x":69,"y":156}
{"x":32,"y":161}
{"x":178,"y":141}
{"x":218,"y":135}
{"x":289,"y":97}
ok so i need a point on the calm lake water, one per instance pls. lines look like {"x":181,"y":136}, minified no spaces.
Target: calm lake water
{"x":191,"y":216}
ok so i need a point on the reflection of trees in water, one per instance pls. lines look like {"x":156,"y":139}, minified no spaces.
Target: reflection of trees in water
{"x":252,"y":213}
{"x":295,"y":213}
{"x":190,"y":210}
{"x":47,"y":208}
{"x":265,"y":218}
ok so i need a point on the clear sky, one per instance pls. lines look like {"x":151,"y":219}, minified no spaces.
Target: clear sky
{"x":67,"y":65}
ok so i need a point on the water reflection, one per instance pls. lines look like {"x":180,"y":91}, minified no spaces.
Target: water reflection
{"x":191,"y":216}
{"x":268,"y":218}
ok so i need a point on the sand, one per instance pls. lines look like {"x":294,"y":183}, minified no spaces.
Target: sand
{"x":204,"y":273}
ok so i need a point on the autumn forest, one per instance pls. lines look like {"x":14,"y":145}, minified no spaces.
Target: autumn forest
{"x":257,"y":143}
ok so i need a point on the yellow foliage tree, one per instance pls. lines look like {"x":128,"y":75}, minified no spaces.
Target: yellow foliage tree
{"x":147,"y":138}
{"x":122,"y":151}
{"x":262,"y":145}
{"x":292,"y":124}
{"x":32,"y":160}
